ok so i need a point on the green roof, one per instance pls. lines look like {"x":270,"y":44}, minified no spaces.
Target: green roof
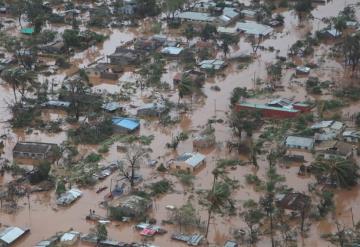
{"x":266,"y":107}
{"x":27,"y":30}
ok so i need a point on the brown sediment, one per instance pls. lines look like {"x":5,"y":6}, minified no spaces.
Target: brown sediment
{"x":44,"y":218}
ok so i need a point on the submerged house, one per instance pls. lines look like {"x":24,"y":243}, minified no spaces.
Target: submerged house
{"x":212,"y":64}
{"x":330,"y":126}
{"x":302,"y":70}
{"x":205,"y":139}
{"x":230,"y":243}
{"x":172,"y":51}
{"x":147,"y":44}
{"x":196,"y":17}
{"x":151,"y":110}
{"x":293,"y":201}
{"x":124,"y":56}
{"x":56,"y":104}
{"x":340,"y":150}
{"x":297,"y":142}
{"x":132,"y":206}
{"x":351,"y":136}
{"x":112,"y":106}
{"x":10,"y":235}
{"x":194,"y":75}
{"x":189,"y":162}
{"x":249,"y":28}
{"x":229,"y":16}
{"x":125,"y":125}
{"x":102,"y":70}
{"x":69,"y":197}
{"x":34,"y":150}
{"x":69,"y":238}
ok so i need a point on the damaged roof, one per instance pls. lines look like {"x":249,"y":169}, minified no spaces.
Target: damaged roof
{"x":293,"y":201}
{"x":33,"y":147}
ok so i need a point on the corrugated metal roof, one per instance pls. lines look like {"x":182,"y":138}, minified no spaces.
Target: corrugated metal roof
{"x":322,"y":124}
{"x":254,"y":28}
{"x":303,"y":69}
{"x":11,"y":234}
{"x":266,"y":107}
{"x":127,"y":123}
{"x":195,"y":16}
{"x":297,"y":141}
{"x":111,"y":106}
{"x":69,"y":236}
{"x":195,"y":159}
{"x":172,"y":50}
{"x":230,"y":12}
{"x":212,"y":64}
{"x":57,"y":103}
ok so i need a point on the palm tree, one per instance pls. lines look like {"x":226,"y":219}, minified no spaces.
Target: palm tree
{"x":225,"y":47}
{"x":255,"y":149}
{"x":216,"y":199}
{"x":185,"y":87}
{"x":20,"y":80}
{"x":341,"y":172}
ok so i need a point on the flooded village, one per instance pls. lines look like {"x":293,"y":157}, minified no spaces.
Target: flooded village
{"x":160,"y":123}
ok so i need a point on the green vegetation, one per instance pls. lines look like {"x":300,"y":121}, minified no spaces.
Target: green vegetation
{"x":160,"y":187}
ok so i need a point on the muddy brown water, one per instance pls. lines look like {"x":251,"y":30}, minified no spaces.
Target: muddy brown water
{"x":44,"y":218}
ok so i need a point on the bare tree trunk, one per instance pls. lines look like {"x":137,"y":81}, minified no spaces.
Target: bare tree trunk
{"x":208,"y":222}
{"x":272,"y":231}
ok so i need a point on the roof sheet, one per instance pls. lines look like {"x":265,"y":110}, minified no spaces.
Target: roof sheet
{"x":196,"y":16}
{"x":172,"y":50}
{"x":266,"y":107}
{"x":195,"y":159}
{"x":10,"y":234}
{"x":111,"y":106}
{"x":127,"y":123}
{"x":322,"y":124}
{"x":254,"y":28}
{"x":299,"y":141}
{"x":69,"y":236}
{"x":27,"y":30}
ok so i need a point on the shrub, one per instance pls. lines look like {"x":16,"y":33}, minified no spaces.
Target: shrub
{"x":160,"y":187}
{"x":93,"y":158}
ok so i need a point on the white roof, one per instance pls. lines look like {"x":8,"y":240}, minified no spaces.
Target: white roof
{"x":303,"y":69}
{"x":195,"y":159}
{"x":10,"y":234}
{"x":75,"y":192}
{"x":196,"y":16}
{"x":69,"y":236}
{"x":335,"y":125}
{"x":298,"y":141}
{"x":248,"y":12}
{"x":352,"y":133}
{"x":322,"y":124}
{"x":172,"y":50}
{"x":254,"y":28}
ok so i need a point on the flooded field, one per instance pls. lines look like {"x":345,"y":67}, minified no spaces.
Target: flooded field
{"x":44,"y":218}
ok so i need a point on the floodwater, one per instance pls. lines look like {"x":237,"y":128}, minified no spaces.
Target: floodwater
{"x":44,"y":218}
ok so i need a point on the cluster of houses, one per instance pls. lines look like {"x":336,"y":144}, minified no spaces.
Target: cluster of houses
{"x":331,"y":140}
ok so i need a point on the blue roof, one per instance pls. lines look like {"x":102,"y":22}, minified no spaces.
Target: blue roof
{"x":127,"y":123}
